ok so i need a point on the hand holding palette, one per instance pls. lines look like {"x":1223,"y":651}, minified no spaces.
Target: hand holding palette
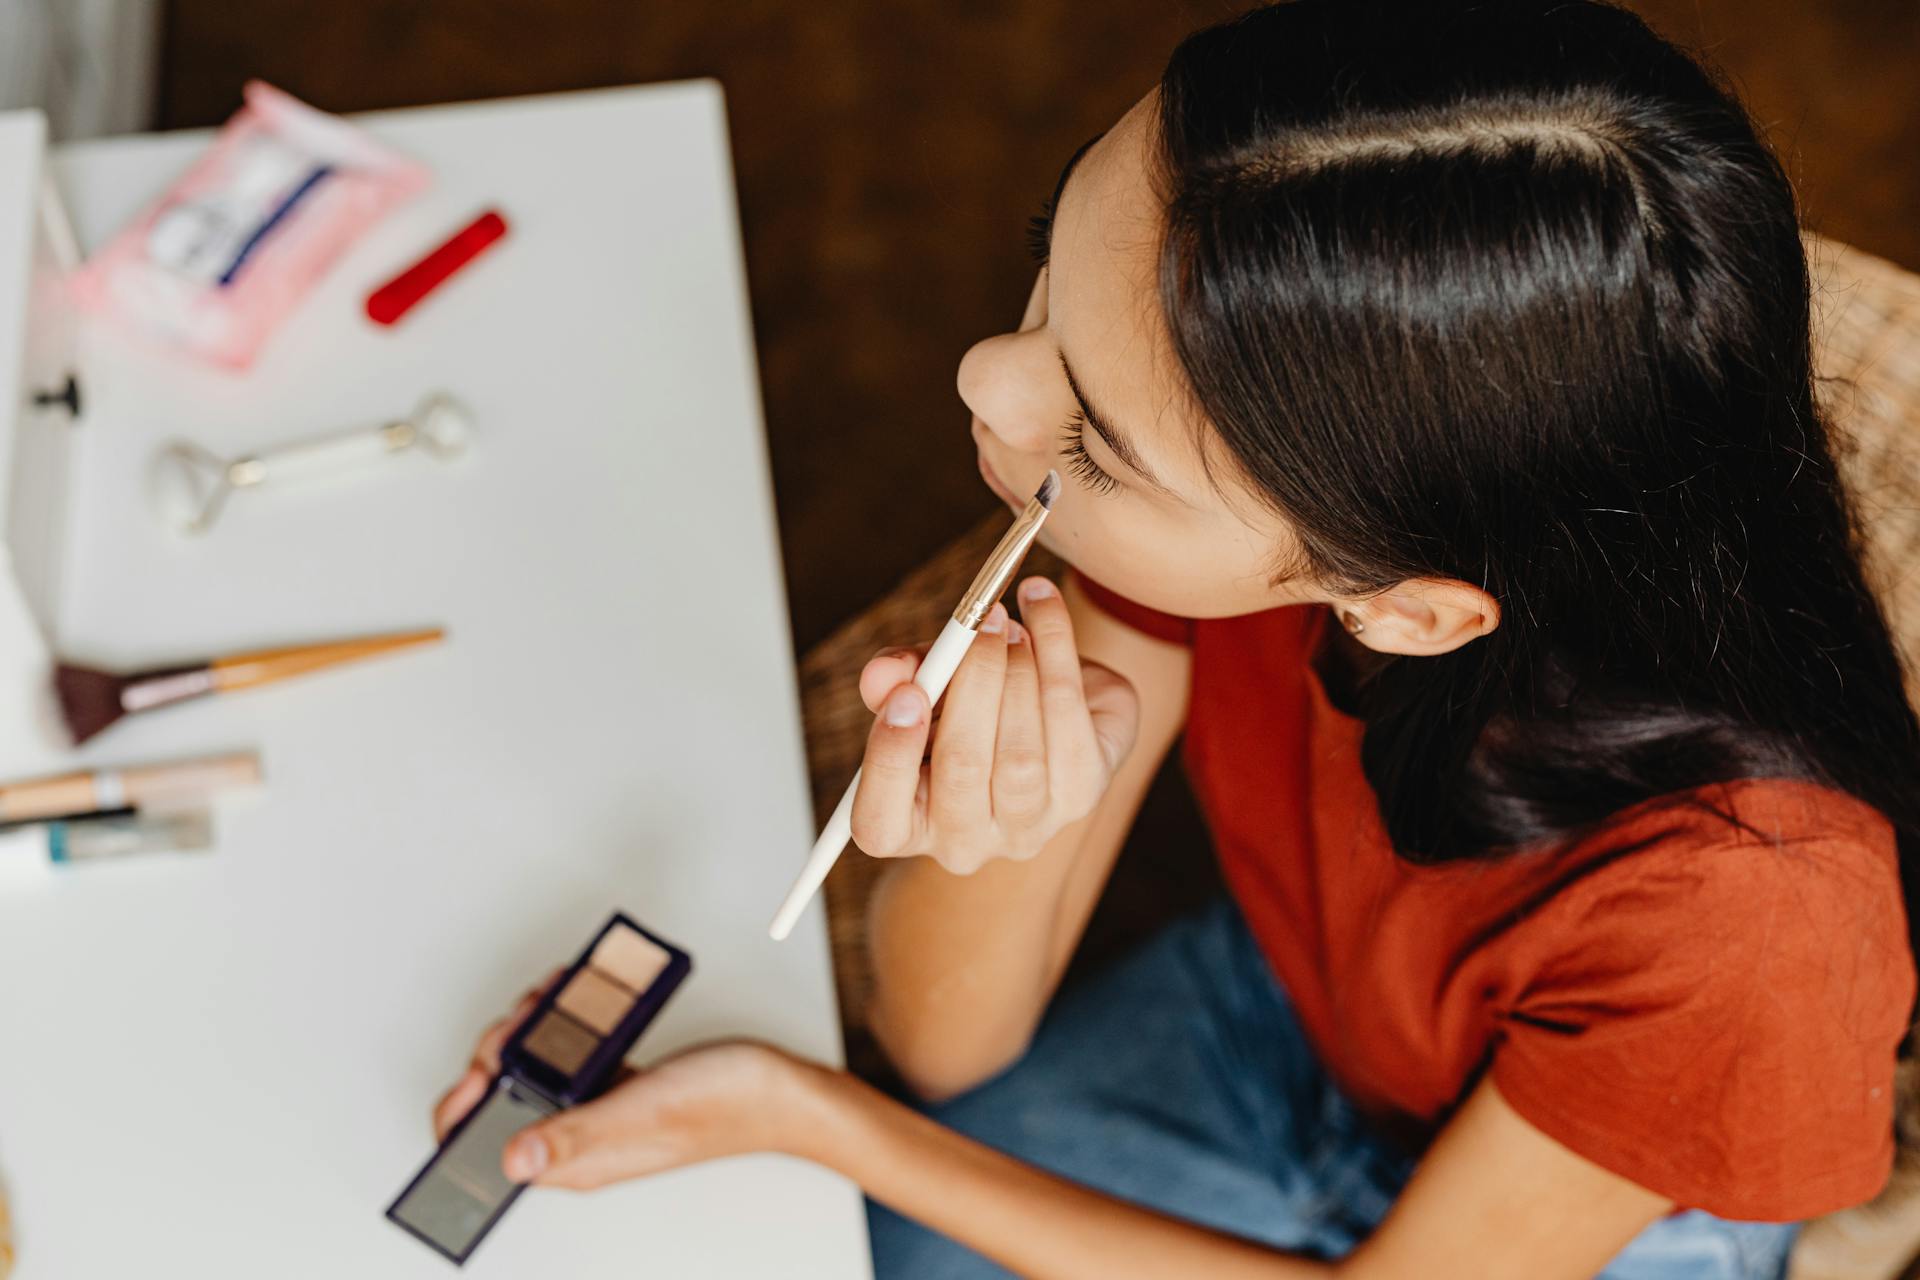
{"x":565,"y":1053}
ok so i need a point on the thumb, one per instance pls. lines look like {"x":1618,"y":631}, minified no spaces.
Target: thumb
{"x":540,"y":1151}
{"x":581,"y":1148}
{"x":529,"y":1154}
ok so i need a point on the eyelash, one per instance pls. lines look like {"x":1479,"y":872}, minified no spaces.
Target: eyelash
{"x":1072,"y":442}
{"x":1079,"y":461}
{"x":1040,"y":234}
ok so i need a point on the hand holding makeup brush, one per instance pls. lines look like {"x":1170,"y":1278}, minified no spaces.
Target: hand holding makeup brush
{"x":934,"y":671}
{"x":1028,"y":739}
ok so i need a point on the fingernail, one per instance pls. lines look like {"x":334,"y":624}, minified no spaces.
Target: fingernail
{"x":903,"y":707}
{"x":1016,"y":634}
{"x":526,"y":1158}
{"x":996,"y":620}
{"x":1036,"y":589}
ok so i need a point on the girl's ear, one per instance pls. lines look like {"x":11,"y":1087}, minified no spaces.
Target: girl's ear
{"x":1421,"y":616}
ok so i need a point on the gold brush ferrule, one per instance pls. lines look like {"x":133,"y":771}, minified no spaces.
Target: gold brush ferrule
{"x":991,"y":582}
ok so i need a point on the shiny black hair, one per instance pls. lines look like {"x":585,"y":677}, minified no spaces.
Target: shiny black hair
{"x":1513,"y":292}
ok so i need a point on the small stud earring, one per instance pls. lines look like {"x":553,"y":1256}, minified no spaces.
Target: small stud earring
{"x":1351,"y":621}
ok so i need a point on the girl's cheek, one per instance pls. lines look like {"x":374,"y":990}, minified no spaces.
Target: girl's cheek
{"x":1101,"y":549}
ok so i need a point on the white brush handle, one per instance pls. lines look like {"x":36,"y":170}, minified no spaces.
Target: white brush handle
{"x":936,"y":669}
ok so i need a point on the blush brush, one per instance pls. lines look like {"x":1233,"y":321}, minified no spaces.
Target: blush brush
{"x":92,"y":700}
{"x":936,"y":669}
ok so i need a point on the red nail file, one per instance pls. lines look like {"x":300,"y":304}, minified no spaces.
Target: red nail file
{"x":399,"y":295}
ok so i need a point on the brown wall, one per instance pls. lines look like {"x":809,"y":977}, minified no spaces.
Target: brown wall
{"x":889,"y":151}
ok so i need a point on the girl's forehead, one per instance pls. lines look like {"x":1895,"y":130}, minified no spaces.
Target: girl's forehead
{"x":1107,"y":313}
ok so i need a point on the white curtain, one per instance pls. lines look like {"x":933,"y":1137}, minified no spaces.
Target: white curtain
{"x":89,"y":64}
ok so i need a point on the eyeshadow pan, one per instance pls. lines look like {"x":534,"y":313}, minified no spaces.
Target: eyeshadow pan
{"x":561,"y":1041}
{"x":596,"y":1000}
{"x":630,"y":958}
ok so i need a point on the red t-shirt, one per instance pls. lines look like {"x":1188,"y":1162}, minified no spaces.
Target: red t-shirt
{"x":1712,"y":1016}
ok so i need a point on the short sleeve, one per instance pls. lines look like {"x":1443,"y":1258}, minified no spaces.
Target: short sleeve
{"x":1161,"y":626}
{"x":1718,"y":1022}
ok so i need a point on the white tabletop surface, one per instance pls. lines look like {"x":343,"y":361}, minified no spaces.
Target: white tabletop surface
{"x":223,"y":1067}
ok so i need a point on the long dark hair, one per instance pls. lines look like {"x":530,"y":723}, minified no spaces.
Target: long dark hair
{"x":1512,"y":292}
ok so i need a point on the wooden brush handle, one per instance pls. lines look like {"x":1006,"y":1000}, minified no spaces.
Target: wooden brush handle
{"x":246,"y":670}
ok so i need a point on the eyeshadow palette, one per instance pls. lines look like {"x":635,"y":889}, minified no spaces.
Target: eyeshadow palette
{"x":565,"y":1053}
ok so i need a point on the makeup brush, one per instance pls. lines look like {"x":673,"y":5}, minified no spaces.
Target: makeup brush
{"x":97,"y":790}
{"x":935,"y":670}
{"x":92,"y":700}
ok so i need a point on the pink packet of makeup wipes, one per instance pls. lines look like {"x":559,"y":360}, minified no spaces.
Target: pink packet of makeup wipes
{"x":216,"y":263}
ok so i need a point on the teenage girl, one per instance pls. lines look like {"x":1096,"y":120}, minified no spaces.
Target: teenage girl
{"x":1433,"y":383}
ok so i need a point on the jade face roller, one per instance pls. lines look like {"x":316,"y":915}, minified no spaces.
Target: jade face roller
{"x":189,"y":484}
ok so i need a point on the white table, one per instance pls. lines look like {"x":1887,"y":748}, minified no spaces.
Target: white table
{"x":223,"y":1067}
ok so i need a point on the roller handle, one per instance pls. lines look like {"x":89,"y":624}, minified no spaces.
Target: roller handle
{"x":312,"y":457}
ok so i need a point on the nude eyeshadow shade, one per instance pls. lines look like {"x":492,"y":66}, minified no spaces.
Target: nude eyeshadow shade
{"x":595,"y":1001}
{"x":565,"y":1053}
{"x":630,"y":958}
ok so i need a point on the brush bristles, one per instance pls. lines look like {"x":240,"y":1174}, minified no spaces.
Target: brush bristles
{"x":1049,"y":490}
{"x":89,"y":699}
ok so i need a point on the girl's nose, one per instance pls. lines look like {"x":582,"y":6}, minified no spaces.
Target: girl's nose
{"x":1012,"y":383}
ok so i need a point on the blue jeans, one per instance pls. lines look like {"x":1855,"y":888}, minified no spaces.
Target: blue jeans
{"x":1181,"y":1080}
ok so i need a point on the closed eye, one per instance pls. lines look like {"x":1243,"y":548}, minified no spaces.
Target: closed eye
{"x":1080,"y":463}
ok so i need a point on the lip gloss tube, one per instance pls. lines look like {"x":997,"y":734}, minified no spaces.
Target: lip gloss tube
{"x":40,"y":850}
